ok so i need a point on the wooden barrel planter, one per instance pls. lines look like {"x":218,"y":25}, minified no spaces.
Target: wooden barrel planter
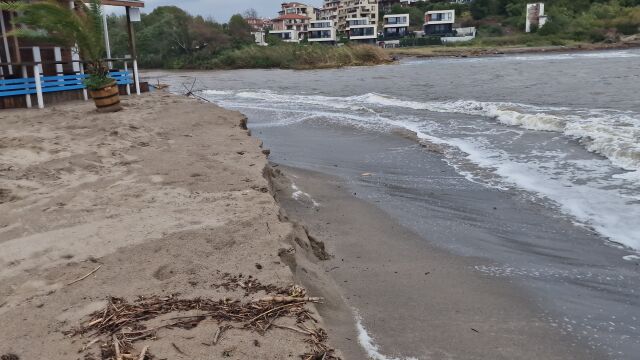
{"x":107,"y":98}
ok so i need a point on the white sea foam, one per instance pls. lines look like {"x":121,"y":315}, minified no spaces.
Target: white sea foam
{"x":302,"y":196}
{"x":368,"y":344}
{"x":217,"y":92}
{"x":613,"y":134}
{"x":610,"y":133}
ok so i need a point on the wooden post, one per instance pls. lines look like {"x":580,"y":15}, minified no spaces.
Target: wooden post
{"x":136,"y":77}
{"x":37,"y":58}
{"x":25,"y":74}
{"x":36,"y":75}
{"x":107,"y":44}
{"x":84,"y":91}
{"x":126,"y":69}
{"x":132,"y":48}
{"x":5,"y":42}
{"x":57,"y":55}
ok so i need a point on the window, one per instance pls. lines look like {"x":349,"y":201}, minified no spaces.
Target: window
{"x":367,"y":31}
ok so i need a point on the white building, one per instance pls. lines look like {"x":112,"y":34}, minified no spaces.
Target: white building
{"x":460,"y":35}
{"x":322,"y":31}
{"x":286,"y":35}
{"x":361,"y":30}
{"x":439,"y":22}
{"x":535,"y":16}
{"x":260,"y":37}
{"x":396,"y":25}
{"x":356,"y":9}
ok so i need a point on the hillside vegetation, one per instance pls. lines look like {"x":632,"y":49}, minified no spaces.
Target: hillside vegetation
{"x":501,"y":22}
{"x":170,"y":38}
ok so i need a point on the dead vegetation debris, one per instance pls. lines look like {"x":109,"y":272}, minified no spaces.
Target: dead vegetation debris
{"x":122,"y":323}
{"x":250,"y":285}
{"x":9,"y":357}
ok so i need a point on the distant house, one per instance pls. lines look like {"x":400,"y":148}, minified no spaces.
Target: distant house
{"x":396,"y":25}
{"x":535,"y":17}
{"x":361,"y":30}
{"x":290,"y":27}
{"x":322,"y":31}
{"x":292,"y":24}
{"x":298,"y":9}
{"x":439,"y":22}
{"x":258,"y":24}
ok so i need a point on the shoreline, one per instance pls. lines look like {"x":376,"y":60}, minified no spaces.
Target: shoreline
{"x":408,"y":298}
{"x":137,"y":208}
{"x":491,"y":51}
{"x":528,"y":241}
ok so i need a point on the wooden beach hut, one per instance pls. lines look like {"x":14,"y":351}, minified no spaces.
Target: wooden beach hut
{"x":38,"y":73}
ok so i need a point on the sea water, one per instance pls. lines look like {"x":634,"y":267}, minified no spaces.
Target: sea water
{"x":561,"y":130}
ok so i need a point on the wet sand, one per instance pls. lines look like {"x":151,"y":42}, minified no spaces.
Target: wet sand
{"x":413,"y":299}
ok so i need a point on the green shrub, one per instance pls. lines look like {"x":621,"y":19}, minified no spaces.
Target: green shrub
{"x":425,"y":41}
{"x":297,"y":56}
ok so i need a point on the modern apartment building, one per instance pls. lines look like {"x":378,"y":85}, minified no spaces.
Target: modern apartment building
{"x":322,"y":31}
{"x":396,"y":26}
{"x":357,"y":9}
{"x":439,"y":23}
{"x":361,"y":30}
{"x":329,"y":10}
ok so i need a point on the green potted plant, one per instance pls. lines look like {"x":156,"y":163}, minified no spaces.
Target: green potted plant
{"x":81,"y":27}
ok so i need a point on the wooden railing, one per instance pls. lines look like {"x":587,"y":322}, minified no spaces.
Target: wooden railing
{"x":39,"y":85}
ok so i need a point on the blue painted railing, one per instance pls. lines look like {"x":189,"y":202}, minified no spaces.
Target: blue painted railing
{"x":27,"y":86}
{"x":121,"y":77}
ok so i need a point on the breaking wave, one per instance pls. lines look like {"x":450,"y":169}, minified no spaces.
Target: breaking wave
{"x":610,"y":133}
{"x":593,"y":191}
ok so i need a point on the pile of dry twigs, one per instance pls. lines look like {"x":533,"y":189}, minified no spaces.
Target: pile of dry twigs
{"x":121,"y":323}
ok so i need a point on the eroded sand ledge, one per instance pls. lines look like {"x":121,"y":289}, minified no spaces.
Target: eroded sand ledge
{"x":168,"y":196}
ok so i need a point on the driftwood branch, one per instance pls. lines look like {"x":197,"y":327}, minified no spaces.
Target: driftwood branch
{"x":86,"y":276}
{"x":289,"y":299}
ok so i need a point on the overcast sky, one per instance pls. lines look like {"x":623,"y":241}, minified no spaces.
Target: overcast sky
{"x":221,"y":10}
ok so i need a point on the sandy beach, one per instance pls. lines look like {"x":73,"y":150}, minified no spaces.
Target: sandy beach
{"x":164,"y":200}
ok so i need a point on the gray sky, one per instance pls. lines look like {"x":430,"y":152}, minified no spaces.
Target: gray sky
{"x":221,"y":10}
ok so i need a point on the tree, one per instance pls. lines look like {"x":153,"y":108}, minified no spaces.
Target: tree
{"x":239,"y":30}
{"x":250,"y":14}
{"x":481,"y":9}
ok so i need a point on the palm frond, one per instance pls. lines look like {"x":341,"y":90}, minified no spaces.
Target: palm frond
{"x":36,"y":35}
{"x":12,"y":6}
{"x":65,"y":26}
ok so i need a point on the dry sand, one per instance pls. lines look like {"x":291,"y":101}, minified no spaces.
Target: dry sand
{"x":166,"y":197}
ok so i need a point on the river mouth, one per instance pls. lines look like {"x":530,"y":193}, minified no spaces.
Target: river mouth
{"x":525,"y":162}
